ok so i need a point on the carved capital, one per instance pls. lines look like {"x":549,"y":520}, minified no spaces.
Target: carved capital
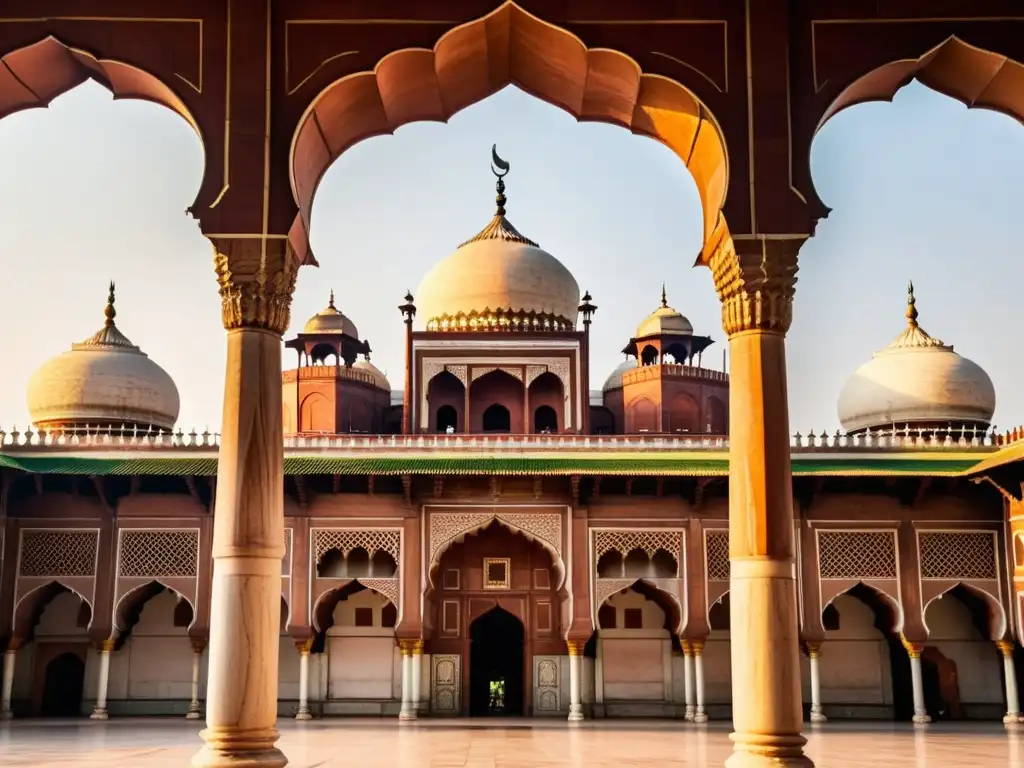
{"x":417,"y":648}
{"x":687,"y":648}
{"x":1005,"y":647}
{"x":813,"y":650}
{"x":913,"y":649}
{"x":256,"y":277}
{"x":697,"y":647}
{"x":105,"y":646}
{"x":198,"y":645}
{"x":575,"y":647}
{"x":756,"y":282}
{"x":304,"y":646}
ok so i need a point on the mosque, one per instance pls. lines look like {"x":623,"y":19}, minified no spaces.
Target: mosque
{"x":493,"y":536}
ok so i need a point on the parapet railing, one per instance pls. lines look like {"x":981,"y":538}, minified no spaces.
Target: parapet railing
{"x":122,"y":438}
{"x":651,"y":372}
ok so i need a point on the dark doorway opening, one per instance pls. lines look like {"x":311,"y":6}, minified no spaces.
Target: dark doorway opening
{"x":902,"y":683}
{"x":497,"y":419}
{"x":496,"y":665}
{"x":447,"y":417}
{"x":941,"y":685}
{"x":62,"y":686}
{"x":545,"y":419}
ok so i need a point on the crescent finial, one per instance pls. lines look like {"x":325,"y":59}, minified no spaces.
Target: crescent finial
{"x":499,"y":167}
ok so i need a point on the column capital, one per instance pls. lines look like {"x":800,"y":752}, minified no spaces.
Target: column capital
{"x":813,"y":650}
{"x":417,"y":648}
{"x":756,"y":280}
{"x":198,"y":644}
{"x":105,"y":646}
{"x":256,"y":274}
{"x":1005,"y":647}
{"x":697,"y":647}
{"x":913,"y":649}
{"x":575,"y":647}
{"x":304,"y":646}
{"x":687,"y":648}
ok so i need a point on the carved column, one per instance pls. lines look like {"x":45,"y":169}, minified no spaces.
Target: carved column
{"x":756,"y":280}
{"x":917,"y":681}
{"x":814,"y":655}
{"x":304,"y":647}
{"x":575,"y":678}
{"x":256,"y":277}
{"x":688,"y":679}
{"x":417,"y":674}
{"x":699,"y":715}
{"x":10,"y":658}
{"x":198,"y":646}
{"x":1010,"y":673}
{"x":100,"y":711}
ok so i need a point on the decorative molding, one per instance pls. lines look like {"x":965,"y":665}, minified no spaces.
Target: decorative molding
{"x":447,"y":527}
{"x":546,"y":674}
{"x":387,"y":587}
{"x":650,"y":540}
{"x":256,"y":278}
{"x":608,"y":587}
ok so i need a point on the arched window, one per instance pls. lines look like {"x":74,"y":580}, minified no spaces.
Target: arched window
{"x":357,"y":563}
{"x":637,"y":564}
{"x":447,"y":419}
{"x":497,"y":419}
{"x":649,"y":355}
{"x":545,"y":419}
{"x":609,"y":566}
{"x":382,"y":565}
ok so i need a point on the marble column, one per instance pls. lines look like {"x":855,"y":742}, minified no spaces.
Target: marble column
{"x":256,"y":277}
{"x":1010,"y":673}
{"x":575,"y":680}
{"x":814,"y":655}
{"x":688,"y":679}
{"x":7,"y":691}
{"x":417,"y":674}
{"x":198,"y":646}
{"x":756,"y":280}
{"x":407,"y":712}
{"x":917,"y":682}
{"x":103,"y":680}
{"x":304,"y":647}
{"x":697,"y":646}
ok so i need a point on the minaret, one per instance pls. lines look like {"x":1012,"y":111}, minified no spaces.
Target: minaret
{"x":408,"y":311}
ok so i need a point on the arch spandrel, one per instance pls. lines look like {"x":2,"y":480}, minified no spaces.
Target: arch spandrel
{"x":468,"y":63}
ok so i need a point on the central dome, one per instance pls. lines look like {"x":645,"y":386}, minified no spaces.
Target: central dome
{"x":499,"y":280}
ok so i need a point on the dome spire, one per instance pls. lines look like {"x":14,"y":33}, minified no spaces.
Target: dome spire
{"x":913,"y":336}
{"x":108,"y":335}
{"x":499,"y":227}
{"x":331,"y":302}
{"x":664,"y":298}
{"x":500,"y":169}
{"x":110,"y":313}
{"x":911,"y":309}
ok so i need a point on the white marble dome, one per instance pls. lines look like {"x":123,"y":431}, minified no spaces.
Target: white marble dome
{"x":103,"y":380}
{"x":916,"y":379}
{"x":379,"y":379}
{"x":331,"y":320}
{"x":614,"y":380}
{"x":497,"y":279}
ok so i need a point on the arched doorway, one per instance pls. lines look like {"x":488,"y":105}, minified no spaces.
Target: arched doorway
{"x":545,"y":419}
{"x":447,"y":419}
{"x":497,"y":419}
{"x":496,"y":642}
{"x":62,"y":686}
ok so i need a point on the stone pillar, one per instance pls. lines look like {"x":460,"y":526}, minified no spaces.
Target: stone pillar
{"x":417,"y":675}
{"x":697,"y":646}
{"x":256,"y":277}
{"x":198,"y":646}
{"x":10,"y":658}
{"x":304,"y":647}
{"x":100,"y":711}
{"x":1010,"y":673}
{"x":575,"y":680}
{"x":688,"y":678}
{"x":407,"y":712}
{"x":756,"y":280}
{"x":920,"y":710}
{"x":814,"y":654}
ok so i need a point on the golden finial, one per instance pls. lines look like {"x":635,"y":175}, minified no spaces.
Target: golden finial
{"x":330,"y":303}
{"x":664,"y":298}
{"x":110,"y":313}
{"x":911,"y":309}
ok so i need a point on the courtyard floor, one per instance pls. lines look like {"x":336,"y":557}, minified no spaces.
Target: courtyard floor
{"x":145,"y":743}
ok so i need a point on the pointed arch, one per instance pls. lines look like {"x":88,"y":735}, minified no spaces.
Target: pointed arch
{"x":30,"y":607}
{"x":327,"y":601}
{"x":995,"y":622}
{"x":129,"y":606}
{"x":881,"y":602}
{"x":479,"y":58}
{"x":669,"y":603}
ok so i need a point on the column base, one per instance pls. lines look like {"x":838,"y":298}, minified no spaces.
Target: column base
{"x":1012,"y":718}
{"x":689,"y":713}
{"x":303,"y":714}
{"x":921,"y":719}
{"x":239,"y":748}
{"x":99,"y":714}
{"x":407,"y":715}
{"x":755,"y":750}
{"x":194,"y":715}
{"x":575,"y":713}
{"x":818,"y":717}
{"x":699,"y":716}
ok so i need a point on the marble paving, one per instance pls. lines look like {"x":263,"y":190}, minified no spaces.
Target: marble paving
{"x":146,"y":743}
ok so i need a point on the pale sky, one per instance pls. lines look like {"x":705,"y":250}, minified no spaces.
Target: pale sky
{"x":93,"y":190}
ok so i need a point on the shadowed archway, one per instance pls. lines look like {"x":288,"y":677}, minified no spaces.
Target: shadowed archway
{"x":496,"y":659}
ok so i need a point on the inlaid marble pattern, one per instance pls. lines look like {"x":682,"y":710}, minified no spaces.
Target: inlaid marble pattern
{"x":436,"y":743}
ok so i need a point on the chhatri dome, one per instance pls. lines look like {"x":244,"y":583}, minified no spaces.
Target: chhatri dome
{"x":499,"y":280}
{"x":331,"y":320}
{"x":103,"y":381}
{"x":664,"y":320}
{"x":917,"y":381}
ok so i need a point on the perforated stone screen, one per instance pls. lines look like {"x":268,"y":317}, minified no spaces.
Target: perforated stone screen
{"x":58,"y":553}
{"x":718,"y":555}
{"x":649,"y":541}
{"x":159,"y":553}
{"x":857,"y":554}
{"x":957,"y":555}
{"x":348,"y":539}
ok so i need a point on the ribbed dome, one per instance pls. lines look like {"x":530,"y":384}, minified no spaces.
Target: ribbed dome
{"x":103,"y":380}
{"x":499,"y":280}
{"x":664,"y":320}
{"x":916,"y":380}
{"x":330,"y":320}
{"x":378,"y":376}
{"x":614,"y":380}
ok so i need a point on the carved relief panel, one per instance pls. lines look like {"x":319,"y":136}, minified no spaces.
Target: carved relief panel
{"x":445,"y":673}
{"x":546,"y":688}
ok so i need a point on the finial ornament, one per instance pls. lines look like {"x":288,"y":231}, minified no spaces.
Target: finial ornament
{"x":110,"y":313}
{"x":664,"y":298}
{"x":500,"y":169}
{"x":330,"y":303}
{"x":911,"y":309}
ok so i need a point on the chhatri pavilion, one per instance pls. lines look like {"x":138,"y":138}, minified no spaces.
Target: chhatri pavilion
{"x":504,"y":530}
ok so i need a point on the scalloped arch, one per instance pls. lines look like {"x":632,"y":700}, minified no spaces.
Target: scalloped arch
{"x":475,"y":60}
{"x":894,"y":605}
{"x":339,"y":585}
{"x":665,"y":600}
{"x":124,"y":602}
{"x":997,"y":625}
{"x":24,"y":608}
